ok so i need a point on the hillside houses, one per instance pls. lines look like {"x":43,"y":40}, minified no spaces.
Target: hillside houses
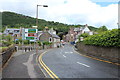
{"x":33,"y":34}
{"x":16,"y":33}
{"x":73,"y":33}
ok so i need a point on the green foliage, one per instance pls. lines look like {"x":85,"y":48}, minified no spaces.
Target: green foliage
{"x":8,"y":38}
{"x":5,"y":43}
{"x":39,"y":43}
{"x":20,"y":40}
{"x":84,"y":35}
{"x":26,"y":41}
{"x":102,"y":29}
{"x":47,"y":43}
{"x":32,"y":43}
{"x":15,"y":20}
{"x":108,"y":39}
{"x":16,"y":42}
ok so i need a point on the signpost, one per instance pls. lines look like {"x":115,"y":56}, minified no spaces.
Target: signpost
{"x":30,"y":34}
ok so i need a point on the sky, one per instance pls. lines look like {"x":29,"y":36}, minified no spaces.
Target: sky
{"x":92,"y":12}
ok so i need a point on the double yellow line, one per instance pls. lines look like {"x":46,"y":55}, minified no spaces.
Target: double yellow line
{"x":50,"y":73}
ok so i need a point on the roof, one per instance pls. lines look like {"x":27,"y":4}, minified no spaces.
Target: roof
{"x":78,"y":29}
{"x":54,"y":35}
{"x":12,"y":29}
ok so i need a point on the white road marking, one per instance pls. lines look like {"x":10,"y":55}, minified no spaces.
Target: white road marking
{"x":64,"y":56}
{"x":83,"y":64}
{"x":71,"y":52}
{"x":68,"y":52}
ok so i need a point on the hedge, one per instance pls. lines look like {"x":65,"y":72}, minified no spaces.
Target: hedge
{"x":109,"y":38}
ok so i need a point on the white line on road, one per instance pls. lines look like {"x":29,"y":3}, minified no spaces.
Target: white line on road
{"x":71,"y":52}
{"x":64,"y":56}
{"x":68,"y":52}
{"x":83,"y":64}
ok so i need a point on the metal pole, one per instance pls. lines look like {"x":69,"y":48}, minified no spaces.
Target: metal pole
{"x":37,"y":25}
{"x":37,"y":16}
{"x":36,"y":28}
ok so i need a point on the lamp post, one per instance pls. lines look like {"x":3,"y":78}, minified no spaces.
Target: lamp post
{"x":37,"y":13}
{"x":37,"y":24}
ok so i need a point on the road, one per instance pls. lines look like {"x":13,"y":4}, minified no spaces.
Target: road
{"x":65,"y":62}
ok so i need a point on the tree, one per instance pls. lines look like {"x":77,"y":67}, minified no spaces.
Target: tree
{"x":84,"y":35}
{"x":102,"y":29}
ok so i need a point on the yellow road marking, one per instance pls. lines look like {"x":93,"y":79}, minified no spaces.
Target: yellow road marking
{"x":39,"y":65}
{"x":97,"y":59}
{"x":51,"y":74}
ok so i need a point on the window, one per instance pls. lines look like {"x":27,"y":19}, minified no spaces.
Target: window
{"x":8,"y":30}
{"x":50,"y":39}
{"x":16,"y":31}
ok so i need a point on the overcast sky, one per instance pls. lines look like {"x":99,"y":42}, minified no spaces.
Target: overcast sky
{"x":92,"y":12}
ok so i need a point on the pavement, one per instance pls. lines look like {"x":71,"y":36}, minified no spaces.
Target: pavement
{"x":65,"y":62}
{"x":23,"y":65}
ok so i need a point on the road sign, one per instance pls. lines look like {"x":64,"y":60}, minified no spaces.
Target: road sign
{"x":29,"y":38}
{"x":31,"y":30}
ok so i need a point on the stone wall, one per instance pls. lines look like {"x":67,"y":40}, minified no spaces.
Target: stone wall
{"x":107,"y":53}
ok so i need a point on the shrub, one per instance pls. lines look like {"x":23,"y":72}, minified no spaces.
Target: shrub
{"x":109,"y":39}
{"x":26,"y":41}
{"x":47,"y":43}
{"x":84,"y":35}
{"x":39,"y":43}
{"x":5,"y":43}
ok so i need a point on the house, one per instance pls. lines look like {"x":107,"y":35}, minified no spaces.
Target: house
{"x":73,"y":33}
{"x":49,"y":36}
{"x":13,"y":32}
{"x":70,"y":37}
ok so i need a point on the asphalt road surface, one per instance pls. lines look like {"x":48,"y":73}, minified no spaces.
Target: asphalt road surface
{"x":65,"y":62}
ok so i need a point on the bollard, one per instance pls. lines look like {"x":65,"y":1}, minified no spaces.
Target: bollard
{"x":29,"y":48}
{"x":25,"y":49}
{"x":16,"y":48}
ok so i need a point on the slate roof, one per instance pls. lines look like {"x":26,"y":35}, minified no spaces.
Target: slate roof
{"x":54,"y":35}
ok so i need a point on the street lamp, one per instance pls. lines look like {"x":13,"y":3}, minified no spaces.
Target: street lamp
{"x":37,"y":23}
{"x":37,"y":13}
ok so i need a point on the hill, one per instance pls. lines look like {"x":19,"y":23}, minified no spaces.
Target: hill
{"x":11,"y":19}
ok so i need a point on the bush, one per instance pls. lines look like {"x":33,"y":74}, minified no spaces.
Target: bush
{"x":47,"y":43}
{"x":5,"y":43}
{"x":16,"y":42}
{"x":26,"y":41}
{"x":84,"y":35}
{"x":39,"y":43}
{"x":108,"y":39}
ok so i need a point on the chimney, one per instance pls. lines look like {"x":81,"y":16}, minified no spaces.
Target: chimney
{"x":46,"y":29}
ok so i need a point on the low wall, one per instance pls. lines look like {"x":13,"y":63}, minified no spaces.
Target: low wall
{"x":7,"y":54}
{"x":107,"y":53}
